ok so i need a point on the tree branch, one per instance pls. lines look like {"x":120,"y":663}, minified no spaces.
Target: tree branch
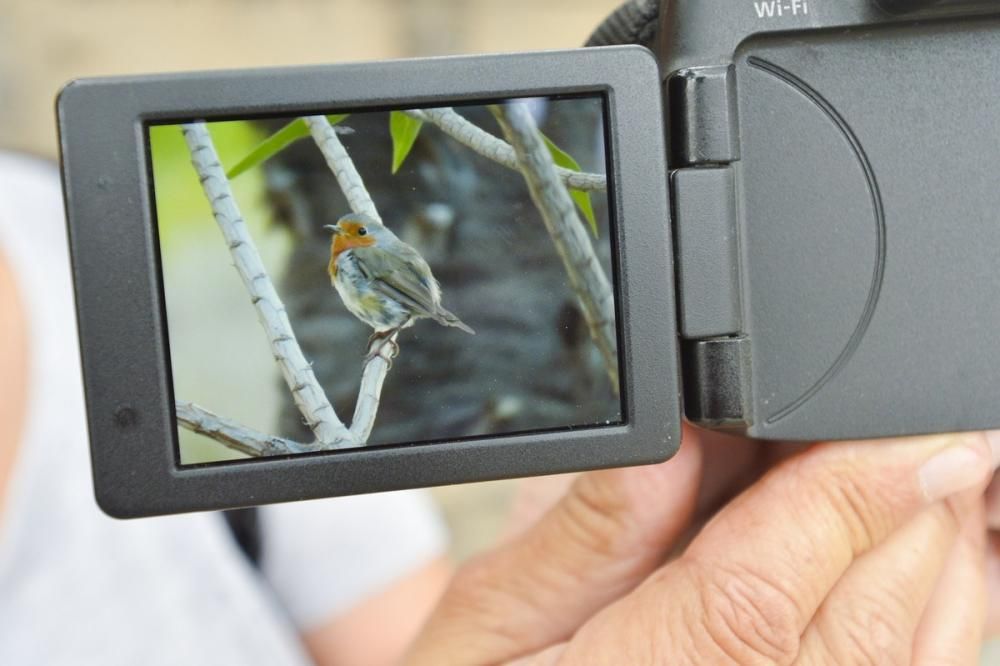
{"x":235,"y":436}
{"x":298,"y":374}
{"x":306,"y":391}
{"x":342,"y":166}
{"x":490,"y":147}
{"x":381,"y":353}
{"x":587,"y":277}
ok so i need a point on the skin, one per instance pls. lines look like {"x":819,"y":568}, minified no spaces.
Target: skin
{"x":377,"y":631}
{"x":13,"y":374}
{"x":837,"y":555}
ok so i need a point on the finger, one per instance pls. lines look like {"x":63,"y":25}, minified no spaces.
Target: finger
{"x":993,"y":585}
{"x":992,"y":628}
{"x":950,"y":632}
{"x":751,"y":582}
{"x":872,"y":612}
{"x":993,"y":504}
{"x":547,"y":657}
{"x":731,"y":463}
{"x":813,"y":515}
{"x":534,"y":498}
{"x":604,"y":537}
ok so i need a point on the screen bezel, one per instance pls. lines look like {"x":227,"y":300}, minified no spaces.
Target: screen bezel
{"x":118,"y":283}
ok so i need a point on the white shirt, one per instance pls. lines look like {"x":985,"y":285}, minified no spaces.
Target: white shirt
{"x":77,"y":587}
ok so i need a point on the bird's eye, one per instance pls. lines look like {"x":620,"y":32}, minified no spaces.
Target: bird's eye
{"x":362,"y":231}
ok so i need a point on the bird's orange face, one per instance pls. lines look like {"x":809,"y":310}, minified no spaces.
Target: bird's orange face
{"x":349,"y":234}
{"x":346,"y":235}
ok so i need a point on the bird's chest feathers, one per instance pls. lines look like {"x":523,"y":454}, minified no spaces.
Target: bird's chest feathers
{"x":343,"y":262}
{"x":362,"y":299}
{"x":345,"y":274}
{"x":342,"y":247}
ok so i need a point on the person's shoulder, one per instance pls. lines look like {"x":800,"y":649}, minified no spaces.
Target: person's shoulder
{"x":325,"y":556}
{"x":31,"y":202}
{"x":21,"y":166}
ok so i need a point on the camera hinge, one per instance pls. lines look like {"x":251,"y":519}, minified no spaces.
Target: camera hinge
{"x":715,"y":348}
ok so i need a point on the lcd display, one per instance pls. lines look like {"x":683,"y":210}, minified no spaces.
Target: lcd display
{"x":387,"y":277}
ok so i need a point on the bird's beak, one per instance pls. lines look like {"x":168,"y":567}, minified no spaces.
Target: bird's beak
{"x":334,"y":229}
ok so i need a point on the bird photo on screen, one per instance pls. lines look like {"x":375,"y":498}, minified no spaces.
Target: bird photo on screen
{"x":383,"y":281}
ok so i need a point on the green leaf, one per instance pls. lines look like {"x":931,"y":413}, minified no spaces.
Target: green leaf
{"x":274,"y":144}
{"x":580,"y":197}
{"x":404,"y":130}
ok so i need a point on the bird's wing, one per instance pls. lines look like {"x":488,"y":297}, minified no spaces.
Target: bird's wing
{"x":402,"y":275}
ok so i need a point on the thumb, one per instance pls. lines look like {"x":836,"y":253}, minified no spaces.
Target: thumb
{"x":601,"y":540}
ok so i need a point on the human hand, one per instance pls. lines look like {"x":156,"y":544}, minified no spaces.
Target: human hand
{"x":856,"y":552}
{"x":993,"y":558}
{"x":730,"y":464}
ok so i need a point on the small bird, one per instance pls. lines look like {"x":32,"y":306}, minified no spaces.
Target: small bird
{"x":383,"y":281}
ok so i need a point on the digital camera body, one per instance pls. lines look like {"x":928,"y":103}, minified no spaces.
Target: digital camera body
{"x":837,"y":214}
{"x":801,"y":235}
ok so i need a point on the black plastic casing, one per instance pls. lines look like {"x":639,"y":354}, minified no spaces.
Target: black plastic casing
{"x":122,"y":324}
{"x":837,"y":213}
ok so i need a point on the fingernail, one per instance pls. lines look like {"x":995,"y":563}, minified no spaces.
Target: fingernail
{"x":951,"y":471}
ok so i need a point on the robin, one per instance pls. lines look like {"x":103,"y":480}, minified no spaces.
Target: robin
{"x":383,"y":281}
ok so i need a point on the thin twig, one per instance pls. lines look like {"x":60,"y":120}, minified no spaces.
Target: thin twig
{"x":342,"y":166}
{"x":297,"y":371}
{"x":490,"y":147}
{"x":587,"y":277}
{"x":234,"y":435}
{"x":376,"y":368}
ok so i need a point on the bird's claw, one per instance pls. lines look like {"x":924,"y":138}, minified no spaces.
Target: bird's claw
{"x":388,"y":340}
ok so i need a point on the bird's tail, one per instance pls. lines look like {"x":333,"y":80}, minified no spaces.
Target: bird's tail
{"x":446,"y":318}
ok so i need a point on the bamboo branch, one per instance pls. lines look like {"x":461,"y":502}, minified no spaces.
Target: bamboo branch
{"x":233,"y":435}
{"x":490,"y":147}
{"x":587,"y":277}
{"x":298,"y":374}
{"x":342,"y":166}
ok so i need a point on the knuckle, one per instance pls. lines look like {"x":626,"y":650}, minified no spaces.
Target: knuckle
{"x":868,"y":633}
{"x":597,"y":518}
{"x":477,"y":602}
{"x":469,"y":581}
{"x":482,"y":586}
{"x":748,"y":618}
{"x":860,"y":508}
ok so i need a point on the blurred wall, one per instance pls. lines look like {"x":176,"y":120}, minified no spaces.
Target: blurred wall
{"x":44,"y":43}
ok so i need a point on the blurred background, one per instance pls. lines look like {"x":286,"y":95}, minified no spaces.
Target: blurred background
{"x":44,"y":44}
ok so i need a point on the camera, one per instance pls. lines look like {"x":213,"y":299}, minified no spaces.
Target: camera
{"x":304,"y":282}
